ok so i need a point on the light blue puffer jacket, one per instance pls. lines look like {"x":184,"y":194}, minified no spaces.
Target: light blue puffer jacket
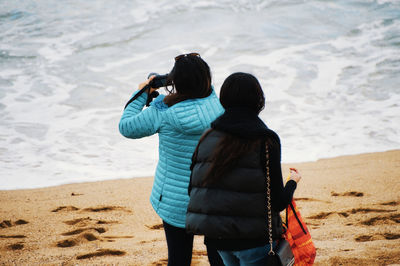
{"x":179,"y":128}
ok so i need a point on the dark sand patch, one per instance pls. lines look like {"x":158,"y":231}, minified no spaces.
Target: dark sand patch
{"x":391,"y":236}
{"x":113,"y":237}
{"x":5,"y":224}
{"x":363,"y":238}
{"x":155,"y":227}
{"x":99,"y":230}
{"x":106,"y":209}
{"x":199,"y":253}
{"x":390,"y":203}
{"x":9,"y":223}
{"x":388,"y":236}
{"x":65,"y":208}
{"x":66,"y":243}
{"x":160,"y":262}
{"x":81,"y":222}
{"x":367,"y":210}
{"x":12,"y":236}
{"x":311,"y":199}
{"x":20,"y":221}
{"x":359,"y":261}
{"x":149,"y":241}
{"x":321,"y":215}
{"x":17,"y":246}
{"x":102,"y":252}
{"x":347,"y":194}
{"x":390,"y":219}
{"x":74,"y":232}
{"x":82,"y":238}
{"x":89,"y":237}
{"x":78,"y":221}
{"x":106,"y":222}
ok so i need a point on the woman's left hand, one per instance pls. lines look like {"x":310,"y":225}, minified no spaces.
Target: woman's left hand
{"x":295,"y":175}
{"x":143,"y":84}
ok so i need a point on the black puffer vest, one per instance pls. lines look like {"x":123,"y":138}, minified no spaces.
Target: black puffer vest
{"x":234,"y":207}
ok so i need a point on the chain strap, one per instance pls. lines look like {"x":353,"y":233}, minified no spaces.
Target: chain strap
{"x":269,"y":209}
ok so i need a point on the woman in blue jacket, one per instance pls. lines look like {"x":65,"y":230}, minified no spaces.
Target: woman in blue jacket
{"x":179,"y":118}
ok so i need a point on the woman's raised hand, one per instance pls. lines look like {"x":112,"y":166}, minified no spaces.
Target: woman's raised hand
{"x":143,"y":84}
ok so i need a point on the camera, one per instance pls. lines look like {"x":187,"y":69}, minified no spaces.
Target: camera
{"x":159,"y":80}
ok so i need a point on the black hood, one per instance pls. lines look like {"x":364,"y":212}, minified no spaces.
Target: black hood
{"x":241,"y":122}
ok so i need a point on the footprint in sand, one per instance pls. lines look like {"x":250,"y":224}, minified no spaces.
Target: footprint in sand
{"x":311,"y":199}
{"x":155,"y":227}
{"x":12,"y":236}
{"x":320,"y":215}
{"x":150,"y":241}
{"x":199,"y":253}
{"x":160,"y":262}
{"x":87,"y":231}
{"x":102,"y":252}
{"x":323,"y":215}
{"x":348,"y":194}
{"x":82,"y":222}
{"x":388,"y":236}
{"x":99,"y":230}
{"x":389,"y":219}
{"x":65,"y":209}
{"x":85,"y":237}
{"x":91,"y":209}
{"x":16,"y":246}
{"x":9,"y":223}
{"x":390,"y":203}
{"x":106,"y":209}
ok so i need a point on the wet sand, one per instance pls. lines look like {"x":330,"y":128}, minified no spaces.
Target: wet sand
{"x":350,"y":203}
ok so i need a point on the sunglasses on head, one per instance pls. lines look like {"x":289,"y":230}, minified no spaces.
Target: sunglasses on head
{"x":185,"y":55}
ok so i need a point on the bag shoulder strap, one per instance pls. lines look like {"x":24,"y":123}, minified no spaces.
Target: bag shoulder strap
{"x":269,"y":208}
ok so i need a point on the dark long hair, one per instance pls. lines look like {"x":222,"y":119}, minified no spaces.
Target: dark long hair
{"x":191,"y":78}
{"x":239,"y":90}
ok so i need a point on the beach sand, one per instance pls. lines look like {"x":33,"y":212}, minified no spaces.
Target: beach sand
{"x":350,"y":203}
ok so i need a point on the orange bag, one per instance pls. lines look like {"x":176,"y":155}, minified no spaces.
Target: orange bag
{"x":299,"y":237}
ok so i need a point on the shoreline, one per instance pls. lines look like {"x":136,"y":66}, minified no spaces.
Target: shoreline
{"x":350,"y":204}
{"x":150,"y":176}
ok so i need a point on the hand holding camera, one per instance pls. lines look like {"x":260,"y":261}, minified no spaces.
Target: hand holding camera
{"x":147,"y":82}
{"x":153,"y":83}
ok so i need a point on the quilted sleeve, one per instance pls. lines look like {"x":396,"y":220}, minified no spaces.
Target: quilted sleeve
{"x":136,"y":122}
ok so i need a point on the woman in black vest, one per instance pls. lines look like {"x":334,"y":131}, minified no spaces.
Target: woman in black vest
{"x":228,"y":182}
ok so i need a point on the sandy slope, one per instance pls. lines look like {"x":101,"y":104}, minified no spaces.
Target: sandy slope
{"x":351,"y":205}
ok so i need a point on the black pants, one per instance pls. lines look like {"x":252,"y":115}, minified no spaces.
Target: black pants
{"x":180,"y":246}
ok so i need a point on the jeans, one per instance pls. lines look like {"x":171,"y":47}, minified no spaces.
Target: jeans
{"x":213,"y":257}
{"x":248,"y":257}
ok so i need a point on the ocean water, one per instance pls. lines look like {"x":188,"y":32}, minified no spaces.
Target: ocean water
{"x":330,"y":71}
